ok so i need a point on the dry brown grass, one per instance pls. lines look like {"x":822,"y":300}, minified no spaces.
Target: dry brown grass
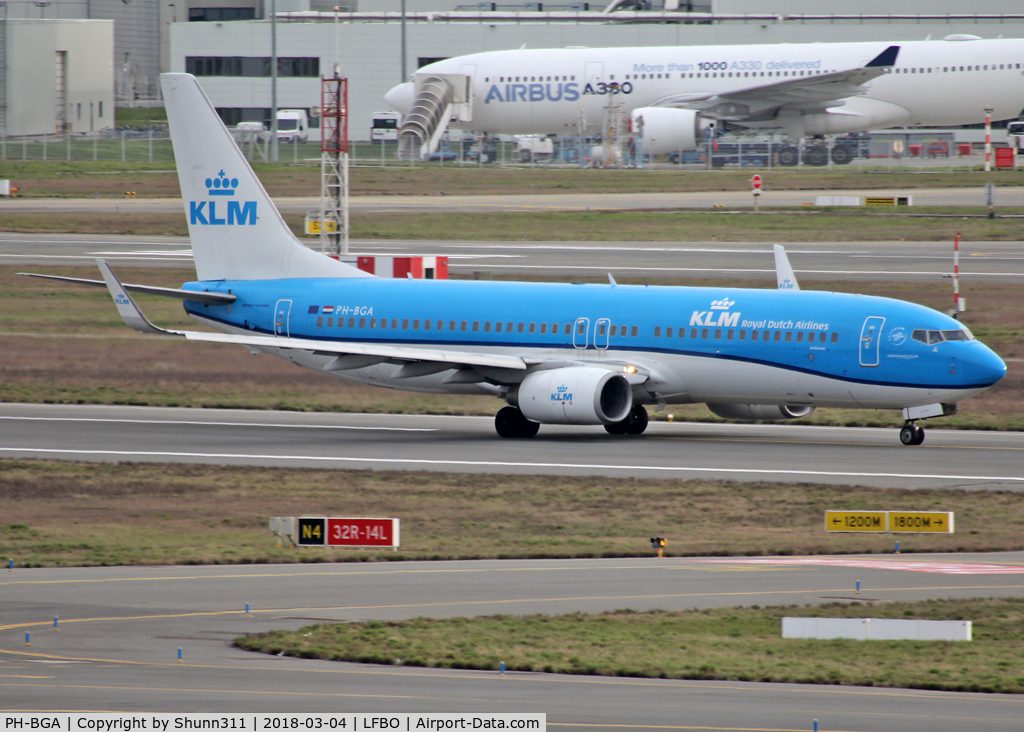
{"x":66,"y":513}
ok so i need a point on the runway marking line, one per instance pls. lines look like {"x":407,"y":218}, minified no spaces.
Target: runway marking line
{"x":508,"y":464}
{"x":201,"y":423}
{"x":902,"y":565}
{"x":776,"y":441}
{"x":214,"y":613}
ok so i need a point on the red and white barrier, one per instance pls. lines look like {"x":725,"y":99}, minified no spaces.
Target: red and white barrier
{"x":421,"y":268}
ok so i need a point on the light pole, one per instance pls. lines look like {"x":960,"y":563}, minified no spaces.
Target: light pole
{"x":273,"y":81}
{"x":402,"y":70}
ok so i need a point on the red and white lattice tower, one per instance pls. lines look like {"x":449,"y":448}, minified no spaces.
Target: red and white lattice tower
{"x":334,"y":166}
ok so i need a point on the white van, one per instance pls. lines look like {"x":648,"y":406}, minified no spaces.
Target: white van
{"x":292,"y":125}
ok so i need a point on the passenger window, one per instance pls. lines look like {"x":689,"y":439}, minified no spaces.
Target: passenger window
{"x":543,"y":328}
{"x":822,"y":337}
{"x":615,"y":330}
{"x":341,"y":322}
{"x":520,"y":328}
{"x":668,"y":332}
{"x":508,"y":328}
{"x":383,"y":323}
{"x":729,"y":335}
{"x":754,"y":335}
{"x":426,"y":324}
{"x":330,"y":322}
{"x":497,"y":327}
{"x":373,"y":322}
{"x":394,"y":323}
{"x":799,"y":336}
{"x":835,"y":337}
{"x":476,"y":326}
{"x":743,"y":335}
{"x":657,"y":332}
{"x":789,"y":336}
{"x":693,"y":332}
{"x":636,"y":329}
{"x":362,"y":322}
{"x":778,"y":335}
{"x":554,"y":328}
{"x":451,"y":325}
{"x":462,"y":325}
{"x":704,"y":333}
{"x":487,"y":327}
{"x":416,"y":324}
{"x":582,"y":329}
{"x":533,"y":327}
{"x":601,"y":329}
{"x":320,"y":322}
{"x":718,"y":334}
{"x":405,"y":324}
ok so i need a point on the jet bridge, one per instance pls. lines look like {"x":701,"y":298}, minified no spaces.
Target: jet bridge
{"x":438,"y":100}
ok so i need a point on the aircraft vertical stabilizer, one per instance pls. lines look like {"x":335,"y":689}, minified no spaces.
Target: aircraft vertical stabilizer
{"x":236,"y":231}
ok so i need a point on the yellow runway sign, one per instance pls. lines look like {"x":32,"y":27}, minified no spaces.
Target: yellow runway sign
{"x":934,"y":522}
{"x":870,"y":521}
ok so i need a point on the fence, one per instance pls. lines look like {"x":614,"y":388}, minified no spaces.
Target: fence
{"x":154,"y":146}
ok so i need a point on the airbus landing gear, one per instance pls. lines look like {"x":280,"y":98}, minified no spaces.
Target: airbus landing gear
{"x":510,"y":422}
{"x":911,"y":434}
{"x":634,"y":424}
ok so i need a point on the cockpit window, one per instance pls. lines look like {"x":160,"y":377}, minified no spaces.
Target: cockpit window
{"x":931,"y":337}
{"x":957,"y":335}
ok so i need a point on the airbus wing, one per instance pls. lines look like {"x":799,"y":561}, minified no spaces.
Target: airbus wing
{"x":807,"y":93}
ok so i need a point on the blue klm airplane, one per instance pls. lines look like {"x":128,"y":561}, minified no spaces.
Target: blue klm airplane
{"x":580,"y":354}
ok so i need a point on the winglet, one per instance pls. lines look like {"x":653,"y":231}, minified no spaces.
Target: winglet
{"x":611,"y":280}
{"x":784,"y":271}
{"x":885,"y":58}
{"x":128,"y":310}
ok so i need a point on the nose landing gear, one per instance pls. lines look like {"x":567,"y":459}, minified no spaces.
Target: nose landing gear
{"x":911,"y":434}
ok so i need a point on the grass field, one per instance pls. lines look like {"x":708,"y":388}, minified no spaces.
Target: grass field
{"x":85,"y":179}
{"x":685,"y":225}
{"x":98,"y":514}
{"x":66,"y":344}
{"x":735,"y":644}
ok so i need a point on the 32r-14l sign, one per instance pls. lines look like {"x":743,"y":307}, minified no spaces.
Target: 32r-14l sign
{"x":338,"y":531}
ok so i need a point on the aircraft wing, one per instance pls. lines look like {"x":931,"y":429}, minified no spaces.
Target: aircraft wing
{"x":370,"y":352}
{"x":822,"y":90}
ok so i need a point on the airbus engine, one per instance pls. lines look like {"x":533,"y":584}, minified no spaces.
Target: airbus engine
{"x":760,"y":411}
{"x":667,"y":130}
{"x":574,"y":395}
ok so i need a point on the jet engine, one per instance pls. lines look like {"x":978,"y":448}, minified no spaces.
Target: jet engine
{"x":574,"y":395}
{"x":760,"y":411}
{"x":667,"y":130}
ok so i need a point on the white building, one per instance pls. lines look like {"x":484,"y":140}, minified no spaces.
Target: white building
{"x":59,"y":76}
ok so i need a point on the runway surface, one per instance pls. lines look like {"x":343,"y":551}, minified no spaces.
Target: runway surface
{"x":120,"y":629}
{"x":890,"y":261}
{"x":836,"y":455}
{"x":966,"y":196}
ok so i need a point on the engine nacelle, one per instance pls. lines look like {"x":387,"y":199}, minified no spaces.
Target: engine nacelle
{"x":667,"y":130}
{"x":855,"y":115}
{"x":574,"y":395}
{"x":760,"y":411}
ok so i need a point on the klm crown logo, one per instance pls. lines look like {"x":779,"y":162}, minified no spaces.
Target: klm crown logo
{"x":563,"y":388}
{"x":204,"y":213}
{"x":723,"y":304}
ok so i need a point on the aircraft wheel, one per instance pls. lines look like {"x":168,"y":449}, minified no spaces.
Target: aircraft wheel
{"x":616,"y":428}
{"x":510,"y":422}
{"x":637,"y":420}
{"x":911,"y":434}
{"x":816,"y":155}
{"x":789,"y":156}
{"x":841,"y":155}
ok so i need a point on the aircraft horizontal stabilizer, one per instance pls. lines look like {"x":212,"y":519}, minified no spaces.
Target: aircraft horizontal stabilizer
{"x":218,"y":298}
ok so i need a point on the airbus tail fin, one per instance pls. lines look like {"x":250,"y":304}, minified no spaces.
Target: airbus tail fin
{"x":784,"y":271}
{"x":236,"y":231}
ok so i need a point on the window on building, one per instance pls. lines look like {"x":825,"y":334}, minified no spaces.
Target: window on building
{"x":210,"y":15}
{"x":252,"y":66}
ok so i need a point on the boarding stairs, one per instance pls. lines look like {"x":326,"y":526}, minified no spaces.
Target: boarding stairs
{"x":439,"y":99}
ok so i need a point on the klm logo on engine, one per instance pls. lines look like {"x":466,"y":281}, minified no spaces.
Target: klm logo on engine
{"x":562,"y":394}
{"x":232,"y":213}
{"x":717,"y":315}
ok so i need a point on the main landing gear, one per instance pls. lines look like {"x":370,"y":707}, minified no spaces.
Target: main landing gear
{"x":634,"y":424}
{"x":510,"y":422}
{"x":911,"y":434}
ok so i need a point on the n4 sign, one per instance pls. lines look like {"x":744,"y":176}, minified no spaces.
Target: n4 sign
{"x":337,"y":531}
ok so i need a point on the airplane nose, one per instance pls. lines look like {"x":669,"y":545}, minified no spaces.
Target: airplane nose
{"x":400,"y":97}
{"x":984,"y":367}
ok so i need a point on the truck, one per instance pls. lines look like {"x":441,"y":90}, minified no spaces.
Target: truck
{"x":292,"y":125}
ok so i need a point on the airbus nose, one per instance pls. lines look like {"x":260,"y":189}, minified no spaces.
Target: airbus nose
{"x":400,"y":97}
